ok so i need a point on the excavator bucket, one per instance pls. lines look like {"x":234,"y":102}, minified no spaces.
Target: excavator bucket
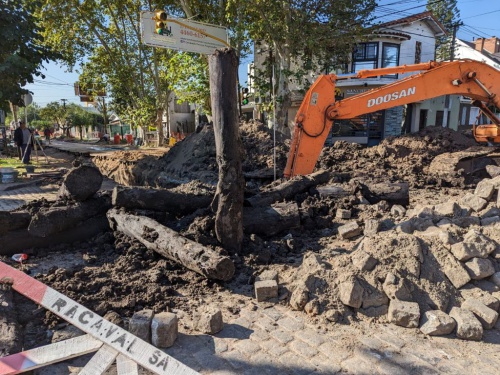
{"x":486,"y":133}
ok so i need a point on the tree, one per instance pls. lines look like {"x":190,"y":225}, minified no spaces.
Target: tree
{"x":446,"y":11}
{"x":22,"y":51}
{"x":56,"y":113}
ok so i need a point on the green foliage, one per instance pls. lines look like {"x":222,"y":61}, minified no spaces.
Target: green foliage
{"x":22,"y":51}
{"x":446,"y":11}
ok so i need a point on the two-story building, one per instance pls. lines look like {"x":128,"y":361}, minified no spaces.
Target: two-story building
{"x":408,"y":40}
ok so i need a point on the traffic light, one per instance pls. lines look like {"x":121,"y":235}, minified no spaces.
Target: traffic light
{"x":244,"y":97}
{"x":160,"y":19}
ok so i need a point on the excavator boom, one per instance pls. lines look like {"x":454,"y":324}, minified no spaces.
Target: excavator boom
{"x":313,"y":122}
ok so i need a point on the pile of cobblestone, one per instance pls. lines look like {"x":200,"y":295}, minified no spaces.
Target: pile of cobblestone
{"x":436,"y":267}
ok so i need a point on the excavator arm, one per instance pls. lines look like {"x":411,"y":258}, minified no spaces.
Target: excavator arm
{"x":318,"y":110}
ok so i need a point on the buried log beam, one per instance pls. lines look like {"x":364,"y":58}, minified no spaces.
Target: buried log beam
{"x":158,"y":199}
{"x":271,"y":220}
{"x":172,"y":245}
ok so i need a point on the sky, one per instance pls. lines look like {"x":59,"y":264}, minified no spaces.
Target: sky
{"x":480,"y":19}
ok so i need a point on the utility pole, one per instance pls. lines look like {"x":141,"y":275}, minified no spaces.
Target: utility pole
{"x":64,"y":102}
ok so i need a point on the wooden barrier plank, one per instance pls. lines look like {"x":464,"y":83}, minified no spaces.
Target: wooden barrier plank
{"x":48,"y":354}
{"x":100,"y":362}
{"x":88,"y":321}
{"x":125,"y":366}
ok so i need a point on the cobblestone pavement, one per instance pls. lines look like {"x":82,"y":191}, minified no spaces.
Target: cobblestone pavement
{"x":15,"y":198}
{"x":277,"y":340}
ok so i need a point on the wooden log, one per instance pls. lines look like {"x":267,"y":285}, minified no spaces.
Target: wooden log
{"x":81,"y":183}
{"x":14,"y":220}
{"x":394,"y":193}
{"x":21,"y":241}
{"x":172,"y":245}
{"x":10,"y":331}
{"x":228,"y":200}
{"x":289,"y":189}
{"x":57,"y":219}
{"x":268,"y":221}
{"x":158,"y":200}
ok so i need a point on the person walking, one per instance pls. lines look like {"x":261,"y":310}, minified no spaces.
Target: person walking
{"x":46,"y":132}
{"x":22,"y":138}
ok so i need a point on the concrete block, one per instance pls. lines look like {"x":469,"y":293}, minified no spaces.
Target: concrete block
{"x":351,"y":293}
{"x":468,"y":327}
{"x":372,"y":227}
{"x":474,"y":202}
{"x":343,"y":214}
{"x":479,"y":268}
{"x":140,"y":324}
{"x":164,"y":329}
{"x":405,"y":314}
{"x":493,"y":170}
{"x":210,"y":321}
{"x":363,"y":261}
{"x":437,"y":322}
{"x":485,"y":315}
{"x":448,"y":209}
{"x":474,"y":245}
{"x":405,"y":227}
{"x":485,"y":189}
{"x":266,"y":289}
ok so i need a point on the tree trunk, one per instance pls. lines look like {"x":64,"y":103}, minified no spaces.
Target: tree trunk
{"x":10,"y":330}
{"x":172,"y":245}
{"x":289,"y":189}
{"x":14,"y":220}
{"x":228,"y":200}
{"x":158,"y":200}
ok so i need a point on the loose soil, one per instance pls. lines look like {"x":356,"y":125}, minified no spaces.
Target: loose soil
{"x":116,"y":276}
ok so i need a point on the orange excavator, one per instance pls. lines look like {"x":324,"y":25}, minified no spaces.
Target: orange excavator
{"x":473,"y":79}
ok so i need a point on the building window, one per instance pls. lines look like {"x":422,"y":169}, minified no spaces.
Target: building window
{"x":365,"y":56}
{"x":418,"y":52}
{"x":390,"y":57}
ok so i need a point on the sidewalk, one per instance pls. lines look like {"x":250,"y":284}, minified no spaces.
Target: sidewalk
{"x":15,"y":198}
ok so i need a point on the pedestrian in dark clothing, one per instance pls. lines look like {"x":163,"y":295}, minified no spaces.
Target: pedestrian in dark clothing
{"x":22,"y":138}
{"x":46,"y":132}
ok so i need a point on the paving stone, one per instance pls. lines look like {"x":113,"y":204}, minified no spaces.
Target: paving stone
{"x":210,"y":321}
{"x":474,"y":245}
{"x":291,"y":324}
{"x":265,"y":363}
{"x":350,"y":230}
{"x":356,"y":365}
{"x":311,"y":337}
{"x":363,"y":261}
{"x":334,"y":350}
{"x":282,"y":336}
{"x":495,"y":278}
{"x":449,"y":209}
{"x":474,"y":202}
{"x":454,"y":271}
{"x":247,"y":347}
{"x":398,"y":210}
{"x":343,"y":214}
{"x":436,"y":322}
{"x":268,"y":275}
{"x":235,"y":359}
{"x":302,"y":348}
{"x":485,"y":189}
{"x":372,"y":227}
{"x":164,"y":328}
{"x":210,"y":361}
{"x":140,"y":324}
{"x":266,"y":289}
{"x":402,"y":313}
{"x":272,"y":313}
{"x":324,"y":365}
{"x":488,"y":317}
{"x":259,"y":336}
{"x":274,"y":347}
{"x":351,"y":293}
{"x":479,"y":268}
{"x":468,"y":327}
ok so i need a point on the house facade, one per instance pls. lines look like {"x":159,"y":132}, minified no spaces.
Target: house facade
{"x":486,"y":50}
{"x":405,"y":41}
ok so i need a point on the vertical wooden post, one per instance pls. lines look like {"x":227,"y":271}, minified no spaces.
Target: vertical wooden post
{"x":228,"y":200}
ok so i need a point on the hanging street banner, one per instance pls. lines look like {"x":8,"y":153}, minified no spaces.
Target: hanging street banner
{"x":182,"y":34}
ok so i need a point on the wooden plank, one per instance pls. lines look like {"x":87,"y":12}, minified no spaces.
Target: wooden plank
{"x":125,"y":366}
{"x":100,"y":362}
{"x":88,"y":321}
{"x":48,"y":354}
